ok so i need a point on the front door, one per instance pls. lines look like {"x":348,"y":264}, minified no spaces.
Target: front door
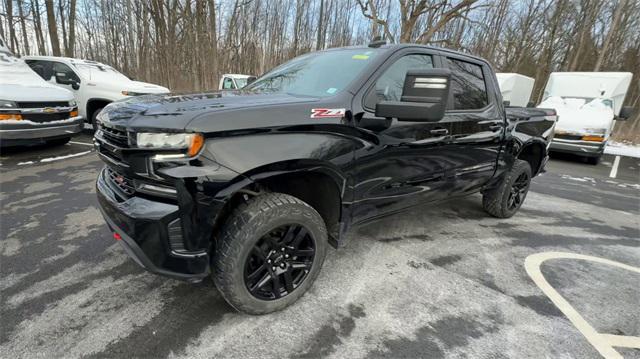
{"x":405,"y":163}
{"x":477,"y":125}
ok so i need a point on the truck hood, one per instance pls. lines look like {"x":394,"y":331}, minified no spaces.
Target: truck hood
{"x":19,"y":83}
{"x":579,"y":117}
{"x":145,"y":87}
{"x":209,"y":112}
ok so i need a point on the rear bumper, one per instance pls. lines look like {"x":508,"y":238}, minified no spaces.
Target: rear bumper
{"x":39,"y":132}
{"x":583,"y":148}
{"x":144,"y":226}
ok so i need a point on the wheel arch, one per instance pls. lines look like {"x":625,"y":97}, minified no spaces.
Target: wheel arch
{"x":94,"y":104}
{"x":534,"y":152}
{"x":320,"y":185}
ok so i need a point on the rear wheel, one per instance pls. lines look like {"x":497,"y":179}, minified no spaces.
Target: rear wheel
{"x":269,"y":253}
{"x":505,"y":200}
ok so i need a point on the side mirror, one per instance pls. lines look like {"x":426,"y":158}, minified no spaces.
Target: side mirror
{"x":625,"y":113}
{"x":62,"y":78}
{"x":75,"y":85}
{"x":424,"y":97}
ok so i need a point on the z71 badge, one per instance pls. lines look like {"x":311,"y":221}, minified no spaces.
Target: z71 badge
{"x":328,"y":112}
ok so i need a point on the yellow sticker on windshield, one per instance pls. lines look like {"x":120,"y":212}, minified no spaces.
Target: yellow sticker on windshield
{"x":360,"y":57}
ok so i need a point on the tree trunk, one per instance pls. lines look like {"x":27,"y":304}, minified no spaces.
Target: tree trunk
{"x":53,"y":28}
{"x":25,"y":40}
{"x":617,"y":15}
{"x":321,"y":34}
{"x":37,"y":24}
{"x":12,"y":32}
{"x":72,"y":29}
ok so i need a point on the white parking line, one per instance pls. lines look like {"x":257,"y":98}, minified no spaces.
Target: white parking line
{"x":614,"y":168}
{"x":603,"y":343}
{"x":81,"y":143}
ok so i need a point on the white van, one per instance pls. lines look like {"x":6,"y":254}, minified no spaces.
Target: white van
{"x":93,"y":84}
{"x":32,"y":110}
{"x":515,"y":88}
{"x":587,"y":104}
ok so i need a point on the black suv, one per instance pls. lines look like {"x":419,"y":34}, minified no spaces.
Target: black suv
{"x":252,"y":186}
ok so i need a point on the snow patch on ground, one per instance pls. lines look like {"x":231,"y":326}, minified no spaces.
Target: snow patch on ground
{"x":622,"y":149}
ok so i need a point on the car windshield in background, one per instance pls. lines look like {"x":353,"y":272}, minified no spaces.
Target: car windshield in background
{"x":320,"y":74}
{"x":98,"y":72}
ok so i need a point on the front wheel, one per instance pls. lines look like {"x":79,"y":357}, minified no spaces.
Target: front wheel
{"x":269,"y":253}
{"x":94,"y":121}
{"x":505,"y":200}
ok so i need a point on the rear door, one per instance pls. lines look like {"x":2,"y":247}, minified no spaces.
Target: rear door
{"x":403,"y":164}
{"x":477,"y":122}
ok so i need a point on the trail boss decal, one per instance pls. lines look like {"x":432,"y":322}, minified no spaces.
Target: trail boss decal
{"x":328,"y":112}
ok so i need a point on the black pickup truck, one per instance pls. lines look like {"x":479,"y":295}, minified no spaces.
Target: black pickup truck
{"x":252,"y":186}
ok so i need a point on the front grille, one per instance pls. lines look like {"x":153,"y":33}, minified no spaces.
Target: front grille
{"x":45,"y":117}
{"x":115,"y":136}
{"x":43,"y":104}
{"x":125,"y":184}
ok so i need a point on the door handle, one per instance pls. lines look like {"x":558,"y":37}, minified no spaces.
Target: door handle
{"x":439,"y":132}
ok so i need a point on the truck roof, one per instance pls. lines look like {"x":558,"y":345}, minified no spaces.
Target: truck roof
{"x":396,"y":47}
{"x":69,"y":59}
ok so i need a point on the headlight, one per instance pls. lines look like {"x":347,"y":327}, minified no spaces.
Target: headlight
{"x":8,"y":104}
{"x":132,"y":93}
{"x":73,"y":103}
{"x":192,"y":142}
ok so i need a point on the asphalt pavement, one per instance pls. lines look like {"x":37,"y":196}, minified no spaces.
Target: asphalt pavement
{"x":438,"y":281}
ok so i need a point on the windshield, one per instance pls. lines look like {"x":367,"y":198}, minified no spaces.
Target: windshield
{"x":100,"y":73}
{"x":318,"y":74}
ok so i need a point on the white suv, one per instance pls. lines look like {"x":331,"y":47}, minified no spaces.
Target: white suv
{"x":93,"y":84}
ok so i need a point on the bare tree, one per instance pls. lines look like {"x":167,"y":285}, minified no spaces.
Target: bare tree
{"x":53,"y":28}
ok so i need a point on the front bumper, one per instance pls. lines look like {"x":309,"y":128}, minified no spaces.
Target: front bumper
{"x":147,"y":228}
{"x":583,"y":148}
{"x":27,"y":131}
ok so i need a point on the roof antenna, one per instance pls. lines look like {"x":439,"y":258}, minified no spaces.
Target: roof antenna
{"x":377,"y":42}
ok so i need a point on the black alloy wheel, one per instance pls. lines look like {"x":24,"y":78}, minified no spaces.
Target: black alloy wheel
{"x":279,"y":262}
{"x":519,"y":190}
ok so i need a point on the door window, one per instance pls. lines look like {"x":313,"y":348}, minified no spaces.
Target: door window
{"x":389,"y":85}
{"x":467,"y":86}
{"x":227,"y":84}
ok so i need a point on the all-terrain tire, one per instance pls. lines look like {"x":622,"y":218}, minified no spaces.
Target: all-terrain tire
{"x":94,"y":121}
{"x":248,"y":223}
{"x":496,"y":201}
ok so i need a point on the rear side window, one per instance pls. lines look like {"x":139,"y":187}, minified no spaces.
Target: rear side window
{"x":42,"y":68}
{"x":467,"y":85}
